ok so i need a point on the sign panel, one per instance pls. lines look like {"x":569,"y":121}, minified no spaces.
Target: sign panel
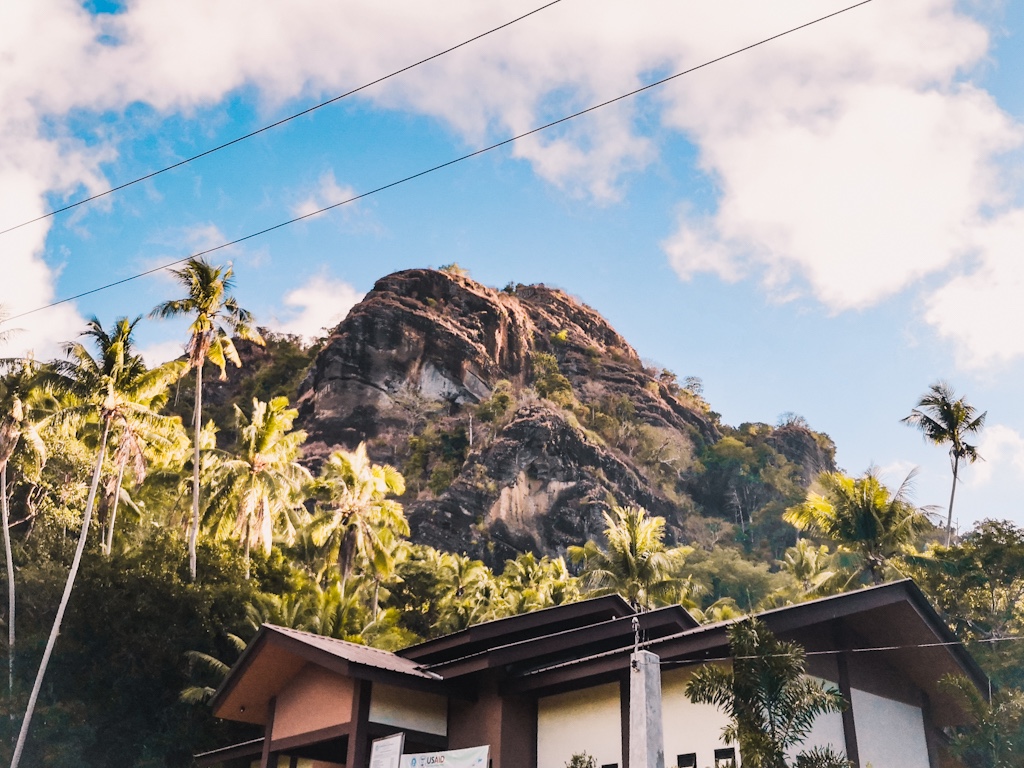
{"x":474,"y":757}
{"x":387,"y":752}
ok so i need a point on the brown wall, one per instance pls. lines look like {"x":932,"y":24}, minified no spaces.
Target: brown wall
{"x":508,"y":725}
{"x":314,"y":699}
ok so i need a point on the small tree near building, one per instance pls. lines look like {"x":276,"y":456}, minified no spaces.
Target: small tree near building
{"x":770,"y":701}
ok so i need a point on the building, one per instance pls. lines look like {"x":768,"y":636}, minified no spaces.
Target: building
{"x":542,"y":686}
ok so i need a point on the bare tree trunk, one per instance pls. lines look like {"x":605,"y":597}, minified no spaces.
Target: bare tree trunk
{"x":108,"y":547}
{"x":59,"y":618}
{"x":246,"y":550}
{"x":5,"y":510}
{"x":193,"y":534}
{"x":952,"y":493}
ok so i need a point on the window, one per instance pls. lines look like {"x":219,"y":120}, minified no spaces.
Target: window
{"x":725,"y":758}
{"x":689,"y":760}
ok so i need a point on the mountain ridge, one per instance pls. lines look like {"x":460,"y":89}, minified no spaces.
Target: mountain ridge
{"x":520,"y":415}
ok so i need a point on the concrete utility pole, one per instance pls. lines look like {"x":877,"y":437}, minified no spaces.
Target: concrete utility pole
{"x":646,"y":737}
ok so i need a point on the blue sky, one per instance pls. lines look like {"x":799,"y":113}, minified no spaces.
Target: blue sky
{"x":825,"y":225}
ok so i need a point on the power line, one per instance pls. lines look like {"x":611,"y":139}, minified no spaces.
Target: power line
{"x":869,"y":649}
{"x":439,"y":167}
{"x":280,"y":122}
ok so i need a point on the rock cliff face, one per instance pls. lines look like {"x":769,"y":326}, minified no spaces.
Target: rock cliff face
{"x":418,"y":337}
{"x":414,"y":370}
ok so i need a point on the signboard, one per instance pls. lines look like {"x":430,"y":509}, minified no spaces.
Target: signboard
{"x":474,"y":757}
{"x":387,"y":752}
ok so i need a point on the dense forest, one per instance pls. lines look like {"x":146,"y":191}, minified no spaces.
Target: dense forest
{"x":191,"y":502}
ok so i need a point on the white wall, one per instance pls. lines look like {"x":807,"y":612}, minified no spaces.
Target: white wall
{"x":403,"y":708}
{"x":580,"y":721}
{"x":827,"y":730}
{"x":890,"y":734}
{"x":689,"y":727}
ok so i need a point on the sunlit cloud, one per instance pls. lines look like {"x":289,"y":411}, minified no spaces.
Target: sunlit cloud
{"x":853,"y":161}
{"x":1002,"y":452}
{"x":326,"y":193}
{"x":316,"y":307}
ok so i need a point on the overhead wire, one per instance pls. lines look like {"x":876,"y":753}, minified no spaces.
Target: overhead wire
{"x":834,"y":652}
{"x":435,"y":168}
{"x":277,"y":123}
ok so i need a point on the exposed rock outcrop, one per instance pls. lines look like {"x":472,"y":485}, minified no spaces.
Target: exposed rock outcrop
{"x":541,"y":484}
{"x":412,"y":370}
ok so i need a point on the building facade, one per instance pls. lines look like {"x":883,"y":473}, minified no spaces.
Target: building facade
{"x":541,"y":687}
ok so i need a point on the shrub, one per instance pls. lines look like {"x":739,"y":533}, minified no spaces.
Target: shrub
{"x":581,"y":760}
{"x":454,"y":269}
{"x":549,"y":381}
{"x":500,"y":402}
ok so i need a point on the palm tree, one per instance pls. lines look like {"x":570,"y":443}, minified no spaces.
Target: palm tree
{"x":17,"y":424}
{"x":636,"y":564}
{"x":216,"y":317}
{"x":356,"y":518}
{"x":136,"y":444}
{"x":810,"y":566}
{"x":770,"y":702}
{"x":116,"y":388}
{"x":944,"y":418}
{"x":864,"y":516}
{"x":261,"y":479}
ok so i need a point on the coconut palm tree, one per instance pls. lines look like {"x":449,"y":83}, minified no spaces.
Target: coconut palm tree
{"x":864,"y":516}
{"x":355,"y":517}
{"x":18,"y":425}
{"x":636,"y":564}
{"x":216,"y":317}
{"x":810,"y":566}
{"x":259,"y":482}
{"x":943,"y":418}
{"x":135,"y":446}
{"x":115,"y":388}
{"x":769,"y":700}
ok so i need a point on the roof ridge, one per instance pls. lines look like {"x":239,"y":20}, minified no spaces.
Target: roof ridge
{"x":362,"y":646}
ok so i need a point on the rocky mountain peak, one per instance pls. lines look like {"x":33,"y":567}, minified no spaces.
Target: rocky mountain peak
{"x":517,"y":415}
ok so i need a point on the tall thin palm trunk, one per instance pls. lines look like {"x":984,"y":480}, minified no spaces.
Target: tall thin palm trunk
{"x":59,"y":618}
{"x":247,"y":560}
{"x":5,"y":511}
{"x":952,"y":494}
{"x":197,"y":417}
{"x":109,"y":544}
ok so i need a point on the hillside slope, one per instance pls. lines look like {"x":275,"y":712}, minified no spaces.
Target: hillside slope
{"x":518,"y":416}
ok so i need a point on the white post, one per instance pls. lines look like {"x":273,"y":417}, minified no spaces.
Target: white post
{"x":646,"y":737}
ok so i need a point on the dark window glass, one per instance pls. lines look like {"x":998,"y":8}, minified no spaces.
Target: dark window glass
{"x":725,"y":758}
{"x":689,"y":760}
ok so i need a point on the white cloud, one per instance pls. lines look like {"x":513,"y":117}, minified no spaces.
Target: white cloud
{"x":1002,"y":449}
{"x":318,"y":305}
{"x":853,"y":163}
{"x":896,"y":472}
{"x":327,"y":192}
{"x":162,"y":352}
{"x":853,"y":159}
{"x":980,"y":309}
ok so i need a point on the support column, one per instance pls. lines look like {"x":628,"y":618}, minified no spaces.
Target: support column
{"x":358,"y":735}
{"x":624,"y":718}
{"x":646,"y":737}
{"x":849,"y":726}
{"x":269,"y":759}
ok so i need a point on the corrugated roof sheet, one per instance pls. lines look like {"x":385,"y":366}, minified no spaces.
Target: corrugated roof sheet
{"x":355,"y":653}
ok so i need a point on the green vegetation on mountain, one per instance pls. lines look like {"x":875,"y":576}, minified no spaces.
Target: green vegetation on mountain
{"x":449,"y":454}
